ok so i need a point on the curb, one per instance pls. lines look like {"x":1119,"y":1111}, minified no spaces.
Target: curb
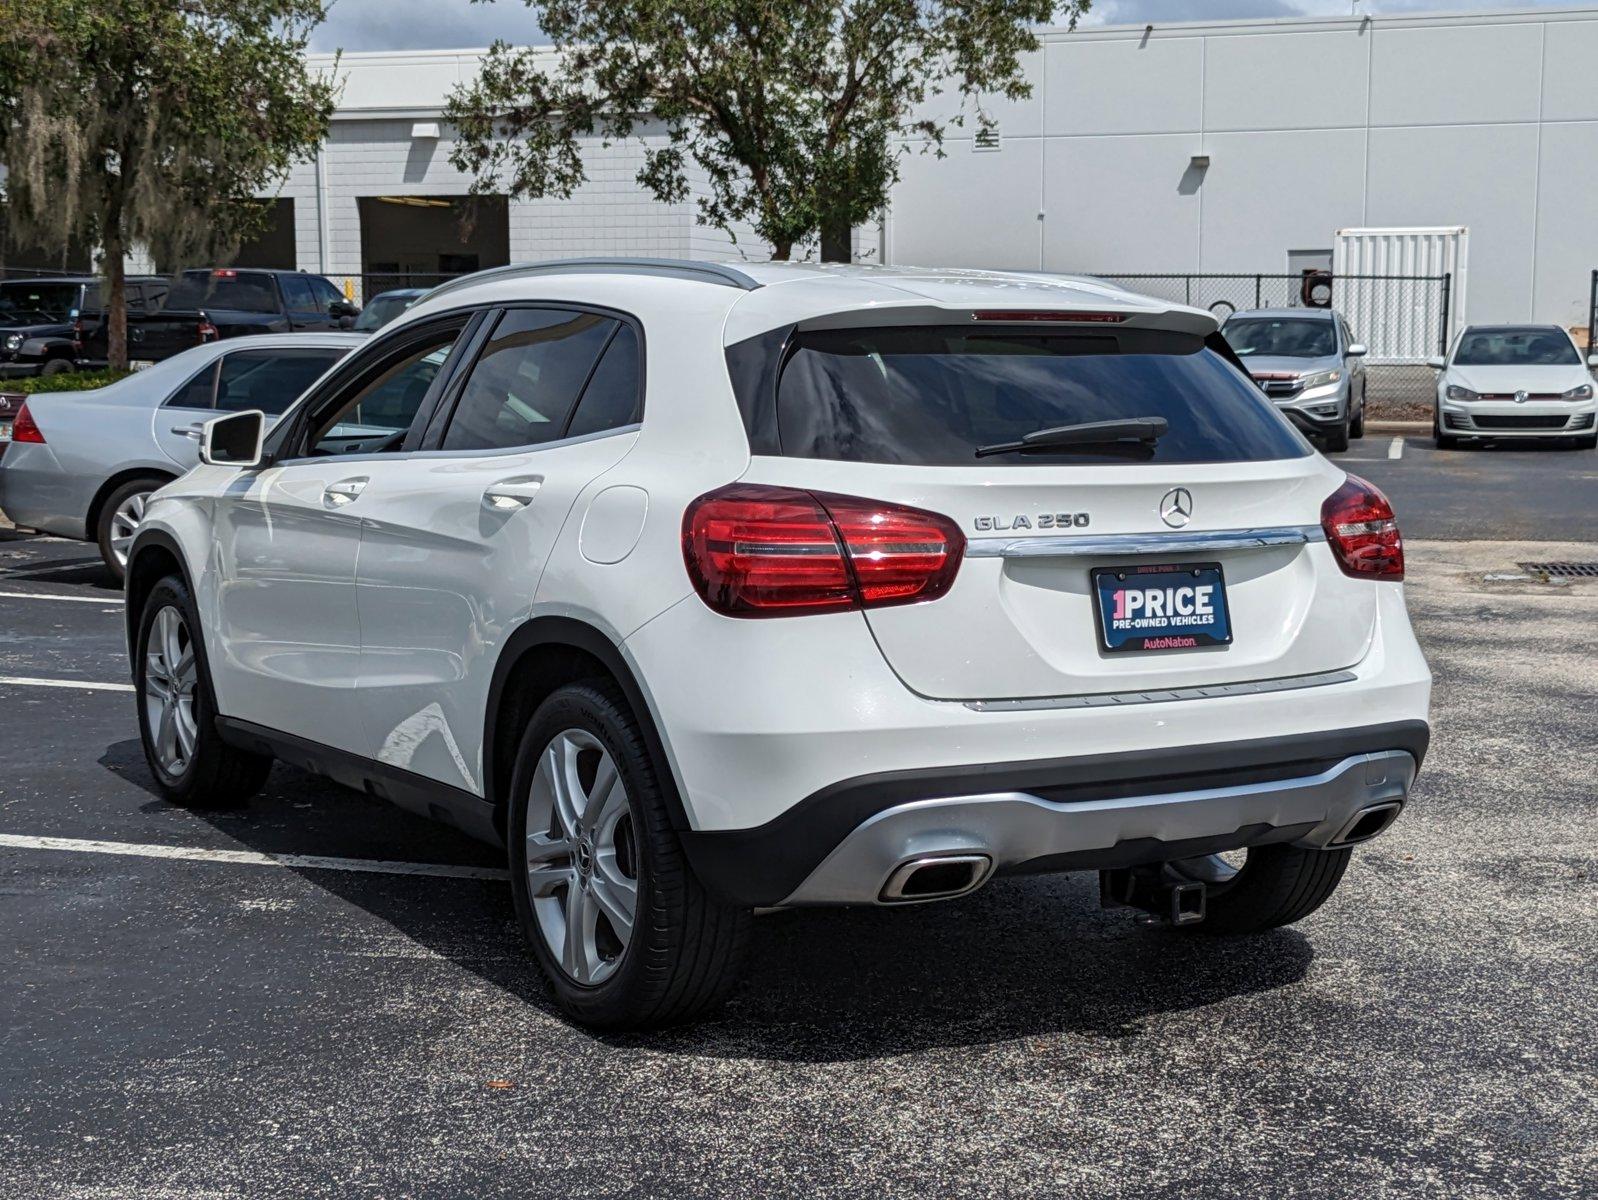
{"x":1398,"y":427}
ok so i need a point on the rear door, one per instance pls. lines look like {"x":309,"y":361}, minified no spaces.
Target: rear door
{"x":458,"y":529}
{"x":1228,"y":498}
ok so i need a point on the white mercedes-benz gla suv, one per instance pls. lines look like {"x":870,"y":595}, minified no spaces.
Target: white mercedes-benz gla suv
{"x":704,"y":588}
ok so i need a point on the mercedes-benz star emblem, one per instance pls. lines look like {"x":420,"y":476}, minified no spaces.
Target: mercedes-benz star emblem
{"x":1176,"y":509}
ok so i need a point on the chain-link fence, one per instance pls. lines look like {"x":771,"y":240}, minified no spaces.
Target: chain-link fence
{"x":1402,"y":319}
{"x":362,"y":287}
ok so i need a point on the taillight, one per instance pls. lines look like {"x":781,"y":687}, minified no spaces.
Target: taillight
{"x":1362,"y":532}
{"x":77,"y":335}
{"x":207,"y":331}
{"x":24,"y":428}
{"x":757,"y":551}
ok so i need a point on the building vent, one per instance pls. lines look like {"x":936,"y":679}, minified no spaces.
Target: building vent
{"x":987,"y":138}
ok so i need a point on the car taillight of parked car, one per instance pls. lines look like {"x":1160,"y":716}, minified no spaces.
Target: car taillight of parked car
{"x":758,"y":551}
{"x":208,"y":332}
{"x":24,"y":428}
{"x":1362,"y":531}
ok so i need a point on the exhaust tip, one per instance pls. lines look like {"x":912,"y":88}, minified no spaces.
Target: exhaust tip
{"x":936,"y":877}
{"x":1367,"y":823}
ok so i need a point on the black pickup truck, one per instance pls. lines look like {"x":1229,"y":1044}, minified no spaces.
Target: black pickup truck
{"x":206,"y":305}
{"x":40,"y":319}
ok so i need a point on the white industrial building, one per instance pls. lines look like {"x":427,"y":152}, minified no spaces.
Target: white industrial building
{"x":1219,"y":147}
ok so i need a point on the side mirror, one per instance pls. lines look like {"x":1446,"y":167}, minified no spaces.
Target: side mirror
{"x":1592,"y":360}
{"x":343,"y":308}
{"x":234,"y":440}
{"x":1357,"y":350}
{"x":1436,"y":362}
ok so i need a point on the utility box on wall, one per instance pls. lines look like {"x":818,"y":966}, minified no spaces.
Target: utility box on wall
{"x":1407,"y":318}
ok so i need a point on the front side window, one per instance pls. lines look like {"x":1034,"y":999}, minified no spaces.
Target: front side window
{"x":297,"y":293}
{"x":524,"y":384}
{"x":933,"y":396}
{"x":241,"y":291}
{"x":377,"y":415}
{"x":1288,"y":337}
{"x":270,"y":380}
{"x":1511,"y":347}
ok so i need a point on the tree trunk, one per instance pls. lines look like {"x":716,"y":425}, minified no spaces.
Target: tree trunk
{"x":115,"y":302}
{"x":837,"y":241}
{"x":781,"y":251}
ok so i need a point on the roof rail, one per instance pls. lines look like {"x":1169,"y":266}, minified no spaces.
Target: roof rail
{"x":671,"y":268}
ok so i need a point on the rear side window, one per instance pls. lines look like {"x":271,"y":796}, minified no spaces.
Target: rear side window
{"x":528,"y":377}
{"x":270,"y":380}
{"x":931,"y":396}
{"x":611,"y":399}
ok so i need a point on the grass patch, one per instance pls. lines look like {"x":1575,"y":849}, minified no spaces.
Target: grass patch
{"x":67,"y":381}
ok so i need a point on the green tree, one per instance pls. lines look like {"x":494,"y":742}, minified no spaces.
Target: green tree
{"x":154,"y":123}
{"x":792,"y":114}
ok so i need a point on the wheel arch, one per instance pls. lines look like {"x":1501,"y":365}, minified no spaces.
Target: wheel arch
{"x":91,"y":522}
{"x":544,"y":654}
{"x":154,"y":556}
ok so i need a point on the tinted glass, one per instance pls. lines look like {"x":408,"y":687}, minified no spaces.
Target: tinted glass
{"x":522,"y":388}
{"x":1258,"y":337}
{"x":270,"y":380}
{"x":297,"y":293}
{"x":611,"y":398}
{"x":932,"y":396}
{"x":326,"y":294}
{"x":37,"y":304}
{"x":382,"y":310}
{"x":245,"y":291}
{"x":1515,"y":348}
{"x":385,"y":406}
{"x":198,"y":392}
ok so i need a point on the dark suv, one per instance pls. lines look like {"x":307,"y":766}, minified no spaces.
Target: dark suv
{"x":38,"y":319}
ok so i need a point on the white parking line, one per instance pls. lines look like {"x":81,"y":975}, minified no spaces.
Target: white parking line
{"x":82,"y":685}
{"x":114,"y":600}
{"x":370,"y":866}
{"x":1396,"y":450}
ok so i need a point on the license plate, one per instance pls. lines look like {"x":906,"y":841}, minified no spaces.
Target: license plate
{"x":1179,"y":607}
{"x":5,"y":431}
{"x":140,"y":364}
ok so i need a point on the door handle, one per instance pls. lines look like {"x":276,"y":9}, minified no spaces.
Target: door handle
{"x":344,"y":491}
{"x":188,"y":431}
{"x":510,"y":494}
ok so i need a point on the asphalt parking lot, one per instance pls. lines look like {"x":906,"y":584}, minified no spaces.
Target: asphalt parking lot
{"x":322,"y":996}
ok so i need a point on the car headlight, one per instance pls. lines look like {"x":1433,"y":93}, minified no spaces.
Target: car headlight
{"x":1319,"y":379}
{"x":1582,"y":392}
{"x":1455,"y":392}
{"x":14,"y":342}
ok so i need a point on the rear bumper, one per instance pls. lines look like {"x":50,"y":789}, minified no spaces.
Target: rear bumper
{"x":842,"y":845}
{"x":36,"y":493}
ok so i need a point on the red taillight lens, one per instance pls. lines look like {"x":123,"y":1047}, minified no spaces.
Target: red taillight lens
{"x":24,"y":428}
{"x":756,"y":551}
{"x":208,"y":332}
{"x":1362,"y":532}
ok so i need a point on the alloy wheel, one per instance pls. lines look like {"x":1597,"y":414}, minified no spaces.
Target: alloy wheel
{"x":582,"y":857}
{"x":170,"y":675}
{"x":124,"y":524}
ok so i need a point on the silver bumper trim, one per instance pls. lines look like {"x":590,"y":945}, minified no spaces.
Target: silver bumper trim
{"x":1015,"y":827}
{"x":1122,"y":545}
{"x":1254,"y":687}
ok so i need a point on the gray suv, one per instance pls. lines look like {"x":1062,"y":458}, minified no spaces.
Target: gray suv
{"x":1308,"y":363}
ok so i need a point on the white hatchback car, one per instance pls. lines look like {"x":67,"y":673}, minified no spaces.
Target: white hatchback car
{"x":704,"y":588}
{"x":1515,"y":381}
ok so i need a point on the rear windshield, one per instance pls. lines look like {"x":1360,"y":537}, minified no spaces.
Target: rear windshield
{"x":932,"y":396}
{"x":1515,"y":348}
{"x":1288,"y":337}
{"x":37,"y":303}
{"x":243,"y":291}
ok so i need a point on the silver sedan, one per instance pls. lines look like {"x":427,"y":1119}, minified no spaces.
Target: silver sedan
{"x":82,"y":464}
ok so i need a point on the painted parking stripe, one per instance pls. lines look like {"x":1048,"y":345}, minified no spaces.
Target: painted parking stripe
{"x":1396,"y":450}
{"x":110,"y":600}
{"x":252,"y":858}
{"x":81,"y":685}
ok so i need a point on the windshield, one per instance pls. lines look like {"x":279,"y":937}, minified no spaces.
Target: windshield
{"x":1515,"y":348}
{"x":1280,"y":337}
{"x":244,"y":291}
{"x":932,"y":396}
{"x":381,"y":311}
{"x":37,"y":303}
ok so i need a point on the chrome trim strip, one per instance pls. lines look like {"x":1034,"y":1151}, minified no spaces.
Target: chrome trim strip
{"x":1120,"y":545}
{"x":1107,"y":699}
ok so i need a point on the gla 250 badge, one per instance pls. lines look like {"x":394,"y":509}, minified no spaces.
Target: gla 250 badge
{"x":1041,"y":521}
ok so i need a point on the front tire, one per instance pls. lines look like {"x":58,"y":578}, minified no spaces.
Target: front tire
{"x":1442,"y":440}
{"x":119,"y":520}
{"x":1337,"y":439}
{"x":625,"y":933}
{"x":56,"y":366}
{"x":1356,"y":428}
{"x":1275,"y":885}
{"x":191,"y":763}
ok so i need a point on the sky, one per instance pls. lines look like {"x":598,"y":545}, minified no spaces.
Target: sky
{"x":456,"y":24}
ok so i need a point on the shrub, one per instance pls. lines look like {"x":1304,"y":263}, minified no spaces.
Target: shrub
{"x":68,"y":381}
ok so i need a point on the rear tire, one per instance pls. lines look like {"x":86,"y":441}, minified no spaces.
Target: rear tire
{"x":119,"y":517}
{"x":191,"y":763}
{"x":590,"y":838}
{"x":1276,"y":885}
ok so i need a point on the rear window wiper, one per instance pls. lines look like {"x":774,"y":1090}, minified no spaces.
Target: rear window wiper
{"x":1131,"y":433}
